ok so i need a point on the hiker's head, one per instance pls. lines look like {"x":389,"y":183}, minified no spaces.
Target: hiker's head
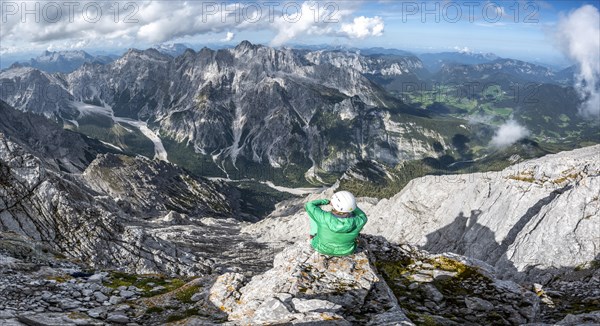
{"x":343,"y":203}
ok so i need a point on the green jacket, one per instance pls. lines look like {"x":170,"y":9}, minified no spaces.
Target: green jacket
{"x":336,"y":235}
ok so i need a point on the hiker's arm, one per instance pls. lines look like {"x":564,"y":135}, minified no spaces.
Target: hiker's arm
{"x":360,"y":214}
{"x":314,"y":211}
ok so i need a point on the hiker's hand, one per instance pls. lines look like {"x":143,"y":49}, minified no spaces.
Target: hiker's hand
{"x":324,"y":202}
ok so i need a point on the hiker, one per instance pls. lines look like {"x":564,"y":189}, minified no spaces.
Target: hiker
{"x":335,"y":233}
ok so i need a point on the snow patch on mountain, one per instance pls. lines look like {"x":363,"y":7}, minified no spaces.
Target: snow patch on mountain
{"x":159,"y":148}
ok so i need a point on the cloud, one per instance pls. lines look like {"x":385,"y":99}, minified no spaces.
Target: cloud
{"x":303,"y":21}
{"x":463,"y":49}
{"x":145,"y":22}
{"x":363,"y":26}
{"x":230,"y":36}
{"x":337,"y":22}
{"x":509,"y":133}
{"x":578,"y":35}
{"x":164,"y":21}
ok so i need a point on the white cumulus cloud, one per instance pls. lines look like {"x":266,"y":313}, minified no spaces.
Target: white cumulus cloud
{"x":462,"y":49}
{"x":362,"y":27}
{"x":149,"y":22}
{"x":229,"y":37}
{"x":509,"y":133}
{"x":306,"y":20}
{"x":578,"y":34}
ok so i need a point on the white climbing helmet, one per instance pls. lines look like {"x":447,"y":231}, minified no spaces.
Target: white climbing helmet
{"x":343,"y":202}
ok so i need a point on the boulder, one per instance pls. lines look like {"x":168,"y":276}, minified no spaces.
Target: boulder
{"x":305,"y":286}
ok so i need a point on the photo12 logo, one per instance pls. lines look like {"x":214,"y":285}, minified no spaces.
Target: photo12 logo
{"x":131,"y":12}
{"x":253,"y":12}
{"x":54,"y":12}
{"x":455,"y":11}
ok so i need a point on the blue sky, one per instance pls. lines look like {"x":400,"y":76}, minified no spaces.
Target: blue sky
{"x":526,"y":33}
{"x":518,"y":29}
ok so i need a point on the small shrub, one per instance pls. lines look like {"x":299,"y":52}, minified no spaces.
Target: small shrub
{"x":154,"y":310}
{"x":184,"y":315}
{"x":185,"y":295}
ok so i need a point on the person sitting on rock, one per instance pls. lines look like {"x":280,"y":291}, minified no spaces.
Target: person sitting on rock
{"x":335,"y":233}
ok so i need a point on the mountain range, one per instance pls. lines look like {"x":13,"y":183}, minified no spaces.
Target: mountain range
{"x":278,"y":109}
{"x":435,"y":61}
{"x":289,"y":116}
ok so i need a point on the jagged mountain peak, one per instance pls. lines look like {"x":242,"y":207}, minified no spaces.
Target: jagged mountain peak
{"x":150,"y":53}
{"x":233,"y":90}
{"x":246,"y":45}
{"x":188,"y":52}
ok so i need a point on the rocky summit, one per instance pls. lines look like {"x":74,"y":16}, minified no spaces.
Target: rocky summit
{"x":381,"y":284}
{"x":306,"y":286}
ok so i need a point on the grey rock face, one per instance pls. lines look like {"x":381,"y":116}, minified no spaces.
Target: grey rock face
{"x":55,"y":319}
{"x":472,"y":294}
{"x":303,"y":305}
{"x":271,"y":310}
{"x":86,"y":220}
{"x":592,"y":318}
{"x":50,"y":98}
{"x":65,"y":150}
{"x":477,"y":304}
{"x":543,"y":213}
{"x":119,"y":318}
{"x":126,"y":294}
{"x":154,"y":188}
{"x":100,"y":297}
